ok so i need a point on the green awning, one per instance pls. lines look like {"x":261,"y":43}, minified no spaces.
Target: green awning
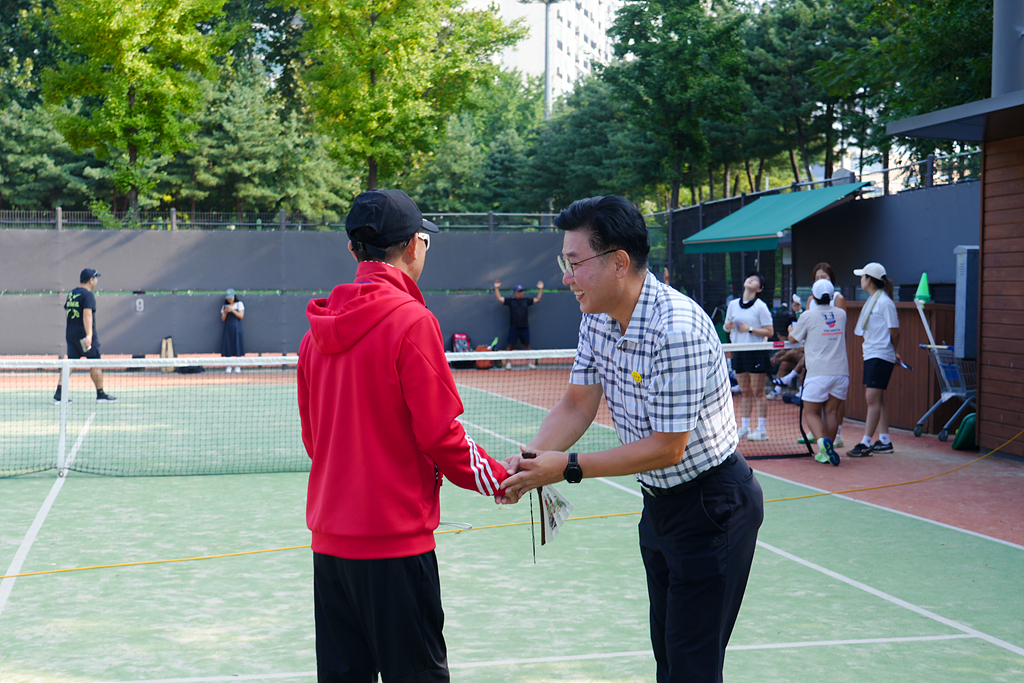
{"x":758,"y":225}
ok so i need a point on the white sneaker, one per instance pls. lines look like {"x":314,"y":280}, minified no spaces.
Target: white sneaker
{"x":238,"y":368}
{"x":758,"y":435}
{"x":531,"y":366}
{"x":227,"y":369}
{"x":742,"y":432}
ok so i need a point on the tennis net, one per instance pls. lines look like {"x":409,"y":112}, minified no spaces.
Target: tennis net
{"x":213,"y":415}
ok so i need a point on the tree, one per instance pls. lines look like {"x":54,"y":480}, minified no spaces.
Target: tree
{"x":386,"y":75}
{"x":590,"y":146}
{"x":133,"y":73}
{"x":38,"y":169}
{"x":917,"y":58}
{"x":448,"y":179}
{"x":680,"y":61}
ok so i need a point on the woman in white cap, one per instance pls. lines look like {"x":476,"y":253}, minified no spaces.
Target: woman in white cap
{"x":822,"y":331}
{"x":880,"y":327}
{"x":231,"y":313}
{"x":748,"y":321}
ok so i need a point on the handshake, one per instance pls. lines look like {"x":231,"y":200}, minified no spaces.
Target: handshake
{"x":529,"y":470}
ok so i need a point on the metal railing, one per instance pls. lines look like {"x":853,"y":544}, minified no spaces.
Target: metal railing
{"x":930,"y":172}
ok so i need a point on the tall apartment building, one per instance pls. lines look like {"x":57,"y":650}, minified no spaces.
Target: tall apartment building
{"x":578,"y":38}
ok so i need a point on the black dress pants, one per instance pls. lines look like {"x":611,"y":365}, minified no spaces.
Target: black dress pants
{"x":697,"y":546}
{"x":379,"y":617}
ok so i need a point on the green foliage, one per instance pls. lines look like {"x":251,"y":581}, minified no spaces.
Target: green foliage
{"x":38,"y":169}
{"x":591,"y":146}
{"x":133,"y":67}
{"x":681,"y":61}
{"x":914,"y":58}
{"x":243,"y":156}
{"x":385,"y":76}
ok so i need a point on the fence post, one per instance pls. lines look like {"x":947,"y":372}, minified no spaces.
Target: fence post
{"x":60,"y":218}
{"x":670,"y":238}
{"x":795,"y":187}
{"x":929,"y":178}
{"x":885,"y":182}
{"x":174,"y":218}
{"x":284,"y":220}
{"x":490,"y":221}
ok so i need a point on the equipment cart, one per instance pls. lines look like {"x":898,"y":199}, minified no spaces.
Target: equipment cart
{"x":957,"y":378}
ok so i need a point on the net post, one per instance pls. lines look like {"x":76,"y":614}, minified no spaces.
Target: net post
{"x":65,"y":382}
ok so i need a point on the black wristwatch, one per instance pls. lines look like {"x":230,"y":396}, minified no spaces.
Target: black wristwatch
{"x":573,"y":474}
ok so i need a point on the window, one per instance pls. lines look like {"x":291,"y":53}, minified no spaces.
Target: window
{"x":559,"y":45}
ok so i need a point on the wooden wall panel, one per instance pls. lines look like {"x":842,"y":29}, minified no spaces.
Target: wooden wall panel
{"x":1001,"y":372}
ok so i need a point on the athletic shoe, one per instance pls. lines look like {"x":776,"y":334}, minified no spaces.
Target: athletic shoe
{"x":104,"y":397}
{"x":742,"y":432}
{"x":56,"y":400}
{"x":810,"y":439}
{"x":880,"y":447}
{"x":792,"y":398}
{"x":531,"y":366}
{"x":821,"y":455}
{"x":736,"y":389}
{"x":774,"y":394}
{"x":860,"y":451}
{"x":826,"y":447}
{"x":838,"y":443}
{"x":228,"y":369}
{"x":238,"y":368}
{"x":780,"y":382}
{"x":758,"y":435}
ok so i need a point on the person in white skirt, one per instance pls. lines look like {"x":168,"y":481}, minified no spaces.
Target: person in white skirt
{"x":822,"y":331}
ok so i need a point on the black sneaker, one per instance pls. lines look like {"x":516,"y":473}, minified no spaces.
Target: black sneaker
{"x":860,"y":451}
{"x":56,"y":399}
{"x":880,"y":447}
{"x":104,"y":397}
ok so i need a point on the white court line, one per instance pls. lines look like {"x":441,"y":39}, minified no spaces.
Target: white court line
{"x":565,"y":658}
{"x":974,"y":633}
{"x":7,"y":585}
{"x":896,"y":601}
{"x":898,"y":512}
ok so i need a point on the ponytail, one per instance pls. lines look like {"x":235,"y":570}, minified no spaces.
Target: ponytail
{"x":885,"y":284}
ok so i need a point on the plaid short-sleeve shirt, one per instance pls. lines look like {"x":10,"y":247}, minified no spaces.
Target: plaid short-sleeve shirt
{"x":667,"y":373}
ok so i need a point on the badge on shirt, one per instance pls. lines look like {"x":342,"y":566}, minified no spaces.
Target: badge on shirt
{"x":637,"y":377}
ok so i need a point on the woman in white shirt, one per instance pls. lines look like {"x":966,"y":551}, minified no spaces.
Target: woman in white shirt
{"x":822,"y":331}
{"x":231,"y":313}
{"x":880,"y":327}
{"x":748,"y":320}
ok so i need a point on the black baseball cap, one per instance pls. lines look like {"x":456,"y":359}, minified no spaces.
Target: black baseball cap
{"x":392,"y":214}
{"x":87,"y":275}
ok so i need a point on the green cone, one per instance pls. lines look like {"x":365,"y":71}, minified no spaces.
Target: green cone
{"x":923,"y":293}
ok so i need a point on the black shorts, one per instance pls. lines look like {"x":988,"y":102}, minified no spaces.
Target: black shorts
{"x":755,"y":362}
{"x":75,"y":350}
{"x":877,"y":373}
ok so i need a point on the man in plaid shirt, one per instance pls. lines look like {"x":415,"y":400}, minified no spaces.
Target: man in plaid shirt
{"x":656,"y":358}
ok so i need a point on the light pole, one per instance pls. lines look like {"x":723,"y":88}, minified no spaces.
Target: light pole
{"x":547,"y":53}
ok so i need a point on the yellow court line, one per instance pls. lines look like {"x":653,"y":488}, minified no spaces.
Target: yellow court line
{"x":511,"y":524}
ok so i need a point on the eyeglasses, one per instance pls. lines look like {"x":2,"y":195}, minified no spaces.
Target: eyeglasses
{"x":423,"y":236}
{"x":568,"y":266}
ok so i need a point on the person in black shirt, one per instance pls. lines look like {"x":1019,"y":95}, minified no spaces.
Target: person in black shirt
{"x":80,"y":334}
{"x":519,"y":325}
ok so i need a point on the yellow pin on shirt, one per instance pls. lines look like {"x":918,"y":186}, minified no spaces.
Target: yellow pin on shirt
{"x":637,"y":377}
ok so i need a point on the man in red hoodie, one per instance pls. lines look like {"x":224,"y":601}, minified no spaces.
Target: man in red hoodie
{"x":378,"y":406}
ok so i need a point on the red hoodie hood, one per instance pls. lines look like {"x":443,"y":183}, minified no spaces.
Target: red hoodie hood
{"x":352,"y":310}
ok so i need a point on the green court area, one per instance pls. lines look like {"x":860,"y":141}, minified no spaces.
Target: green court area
{"x":166,"y":425}
{"x":840,"y":590}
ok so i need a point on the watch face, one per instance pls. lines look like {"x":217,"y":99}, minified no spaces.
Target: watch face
{"x":573,"y":473}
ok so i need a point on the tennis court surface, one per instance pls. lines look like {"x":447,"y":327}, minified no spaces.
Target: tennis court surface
{"x":919,"y":582}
